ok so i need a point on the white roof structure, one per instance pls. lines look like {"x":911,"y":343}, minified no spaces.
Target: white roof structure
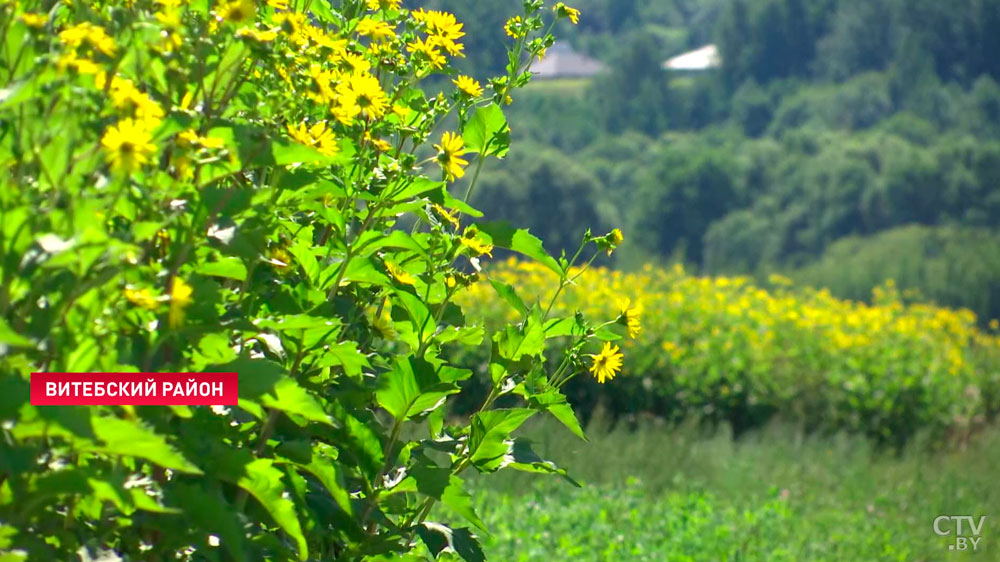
{"x":698,"y":59}
{"x":561,"y":61}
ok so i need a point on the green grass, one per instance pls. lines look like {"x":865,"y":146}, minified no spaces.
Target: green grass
{"x":560,"y":86}
{"x":675,"y":495}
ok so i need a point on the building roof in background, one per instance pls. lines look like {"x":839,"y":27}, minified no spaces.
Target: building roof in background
{"x":699,"y":59}
{"x":561,"y":61}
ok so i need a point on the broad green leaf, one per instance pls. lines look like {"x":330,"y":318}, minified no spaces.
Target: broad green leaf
{"x":130,"y":439}
{"x":229,"y":267}
{"x":515,"y":342}
{"x":423,"y":321}
{"x":306,"y":259}
{"x":9,"y":337}
{"x":412,"y":387}
{"x":487,"y":132}
{"x":418,"y":186}
{"x":345,"y":355}
{"x":83,"y":356}
{"x":395,"y":239}
{"x":568,"y":326}
{"x":327,"y":473}
{"x":489,"y":435}
{"x":266,"y":383}
{"x":440,"y":484}
{"x":523,"y":458}
{"x":445,"y":199}
{"x":503,"y":235}
{"x":555,"y":403}
{"x":264,"y":482}
{"x":359,"y":270}
{"x":439,"y":537}
{"x":509,"y":294}
{"x":213,"y":514}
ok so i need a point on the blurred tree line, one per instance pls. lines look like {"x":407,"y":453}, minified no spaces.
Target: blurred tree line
{"x":841,"y":142}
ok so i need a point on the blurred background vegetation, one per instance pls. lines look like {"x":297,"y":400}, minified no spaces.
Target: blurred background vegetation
{"x":839,"y":142}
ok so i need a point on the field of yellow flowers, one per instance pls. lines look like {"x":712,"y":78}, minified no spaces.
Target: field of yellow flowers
{"x":728,"y":349}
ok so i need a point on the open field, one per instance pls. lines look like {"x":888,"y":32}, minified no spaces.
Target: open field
{"x":662,"y":495}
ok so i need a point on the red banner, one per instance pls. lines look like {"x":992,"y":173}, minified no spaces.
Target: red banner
{"x":134,"y":389}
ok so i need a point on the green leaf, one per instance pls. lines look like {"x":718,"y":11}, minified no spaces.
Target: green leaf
{"x":515,"y":342}
{"x":488,"y":438}
{"x":326,"y":472}
{"x":208,"y":510}
{"x":509,"y":294}
{"x":439,"y":537}
{"x":306,"y":259}
{"x":445,"y":199}
{"x":359,"y":270}
{"x":83,"y":356}
{"x":266,"y":382}
{"x":504,"y":235}
{"x":568,"y":326}
{"x":345,"y":355}
{"x":555,"y":403}
{"x":523,"y":458}
{"x":396,"y":239}
{"x":9,"y":337}
{"x":423,"y":321}
{"x":229,"y":267}
{"x":440,"y":484}
{"x":130,"y":439}
{"x":412,"y":387}
{"x":264,"y":483}
{"x":487,"y":128}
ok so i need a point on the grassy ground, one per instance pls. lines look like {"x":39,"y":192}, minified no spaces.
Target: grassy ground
{"x":675,"y":495}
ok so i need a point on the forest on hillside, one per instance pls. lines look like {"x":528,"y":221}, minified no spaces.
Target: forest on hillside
{"x":841,"y":142}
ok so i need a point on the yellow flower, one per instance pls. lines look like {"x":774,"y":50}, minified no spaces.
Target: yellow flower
{"x":36,"y":21}
{"x":995,"y":324}
{"x":607,"y":363}
{"x":318,"y":136}
{"x":256,"y":34}
{"x":611,"y":240}
{"x":69,"y":61}
{"x":468,"y":86}
{"x":125,"y":96}
{"x":448,"y":155}
{"x":356,"y":63}
{"x":376,"y":5}
{"x":379,"y":144}
{"x":514,"y":27}
{"x":294,"y":25}
{"x":470,"y":239}
{"x":180,"y":298}
{"x":399,"y":274}
{"x":445,"y":215}
{"x":278,"y":4}
{"x":142,"y":298}
{"x":364,"y":91}
{"x":428,"y":50}
{"x":377,"y":30}
{"x":238,"y":11}
{"x":89,"y":33}
{"x":563,"y":11}
{"x":629,"y":317}
{"x":128,"y":145}
{"x":191,"y":139}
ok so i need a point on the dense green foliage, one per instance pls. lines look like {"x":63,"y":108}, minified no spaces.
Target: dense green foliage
{"x":684,"y":495}
{"x":192,"y":187}
{"x":827,"y":119}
